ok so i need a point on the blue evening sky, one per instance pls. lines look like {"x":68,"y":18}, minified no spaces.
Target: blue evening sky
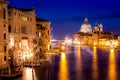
{"x":66,"y":16}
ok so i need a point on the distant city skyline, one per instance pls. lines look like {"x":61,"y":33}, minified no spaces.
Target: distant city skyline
{"x":67,"y":16}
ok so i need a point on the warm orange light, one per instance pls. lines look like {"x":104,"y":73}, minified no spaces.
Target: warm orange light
{"x":28,"y":74}
{"x":112,"y":69}
{"x":94,"y":64}
{"x":63,"y":56}
{"x":63,"y":47}
{"x":112,"y":43}
{"x":79,"y":62}
{"x":11,"y":43}
{"x":63,"y":70}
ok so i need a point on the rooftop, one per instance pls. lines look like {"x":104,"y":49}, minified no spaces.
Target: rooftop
{"x":22,"y":9}
{"x":40,"y":19}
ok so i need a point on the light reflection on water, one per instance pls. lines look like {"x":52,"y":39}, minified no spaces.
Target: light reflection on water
{"x":28,"y":74}
{"x":112,"y":66}
{"x":78,"y":63}
{"x":94,"y":64}
{"x":86,"y":66}
{"x":63,"y":71}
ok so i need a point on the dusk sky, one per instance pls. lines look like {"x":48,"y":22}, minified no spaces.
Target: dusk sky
{"x":66,"y":16}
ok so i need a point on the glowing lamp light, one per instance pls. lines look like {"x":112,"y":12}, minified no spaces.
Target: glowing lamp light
{"x":11,"y":44}
{"x":76,"y":41}
{"x":63,"y":47}
{"x":63,"y":55}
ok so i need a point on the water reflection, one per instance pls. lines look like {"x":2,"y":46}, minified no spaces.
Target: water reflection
{"x":112,"y":66}
{"x":78,"y":64}
{"x":94,"y":64}
{"x":28,"y":74}
{"x":63,"y":71}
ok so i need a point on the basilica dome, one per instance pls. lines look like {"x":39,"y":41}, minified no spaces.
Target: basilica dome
{"x":86,"y":27}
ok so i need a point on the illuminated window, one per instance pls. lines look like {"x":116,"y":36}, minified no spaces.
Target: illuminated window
{"x":24,"y":44}
{"x":11,"y":43}
{"x":39,"y":34}
{"x":24,"y":18}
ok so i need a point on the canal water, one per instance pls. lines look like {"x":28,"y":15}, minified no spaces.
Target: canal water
{"x":87,"y":64}
{"x":78,"y":63}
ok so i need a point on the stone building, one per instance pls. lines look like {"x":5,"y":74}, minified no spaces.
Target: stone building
{"x":43,"y":36}
{"x":83,"y":38}
{"x":87,"y":36}
{"x":20,"y":38}
{"x":3,"y":32}
{"x":21,"y":32}
{"x":119,"y":40}
{"x":85,"y":33}
{"x":98,"y":28}
{"x":97,"y":33}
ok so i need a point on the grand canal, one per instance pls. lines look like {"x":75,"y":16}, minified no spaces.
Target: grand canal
{"x":78,"y":63}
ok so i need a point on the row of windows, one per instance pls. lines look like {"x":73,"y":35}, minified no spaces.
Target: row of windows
{"x":23,"y":29}
{"x":39,"y":33}
{"x":25,"y":18}
{"x":40,"y":27}
{"x":4,"y":16}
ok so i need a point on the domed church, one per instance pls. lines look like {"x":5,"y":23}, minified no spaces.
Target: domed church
{"x":86,"y":27}
{"x":86,"y":34}
{"x":96,"y":37}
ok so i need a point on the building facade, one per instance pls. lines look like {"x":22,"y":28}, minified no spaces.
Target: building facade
{"x":22,"y":38}
{"x":21,"y":32}
{"x":43,"y":36}
{"x":3,"y":32}
{"x":84,"y":36}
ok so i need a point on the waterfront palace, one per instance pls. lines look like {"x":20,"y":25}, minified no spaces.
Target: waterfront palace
{"x":22,"y":35}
